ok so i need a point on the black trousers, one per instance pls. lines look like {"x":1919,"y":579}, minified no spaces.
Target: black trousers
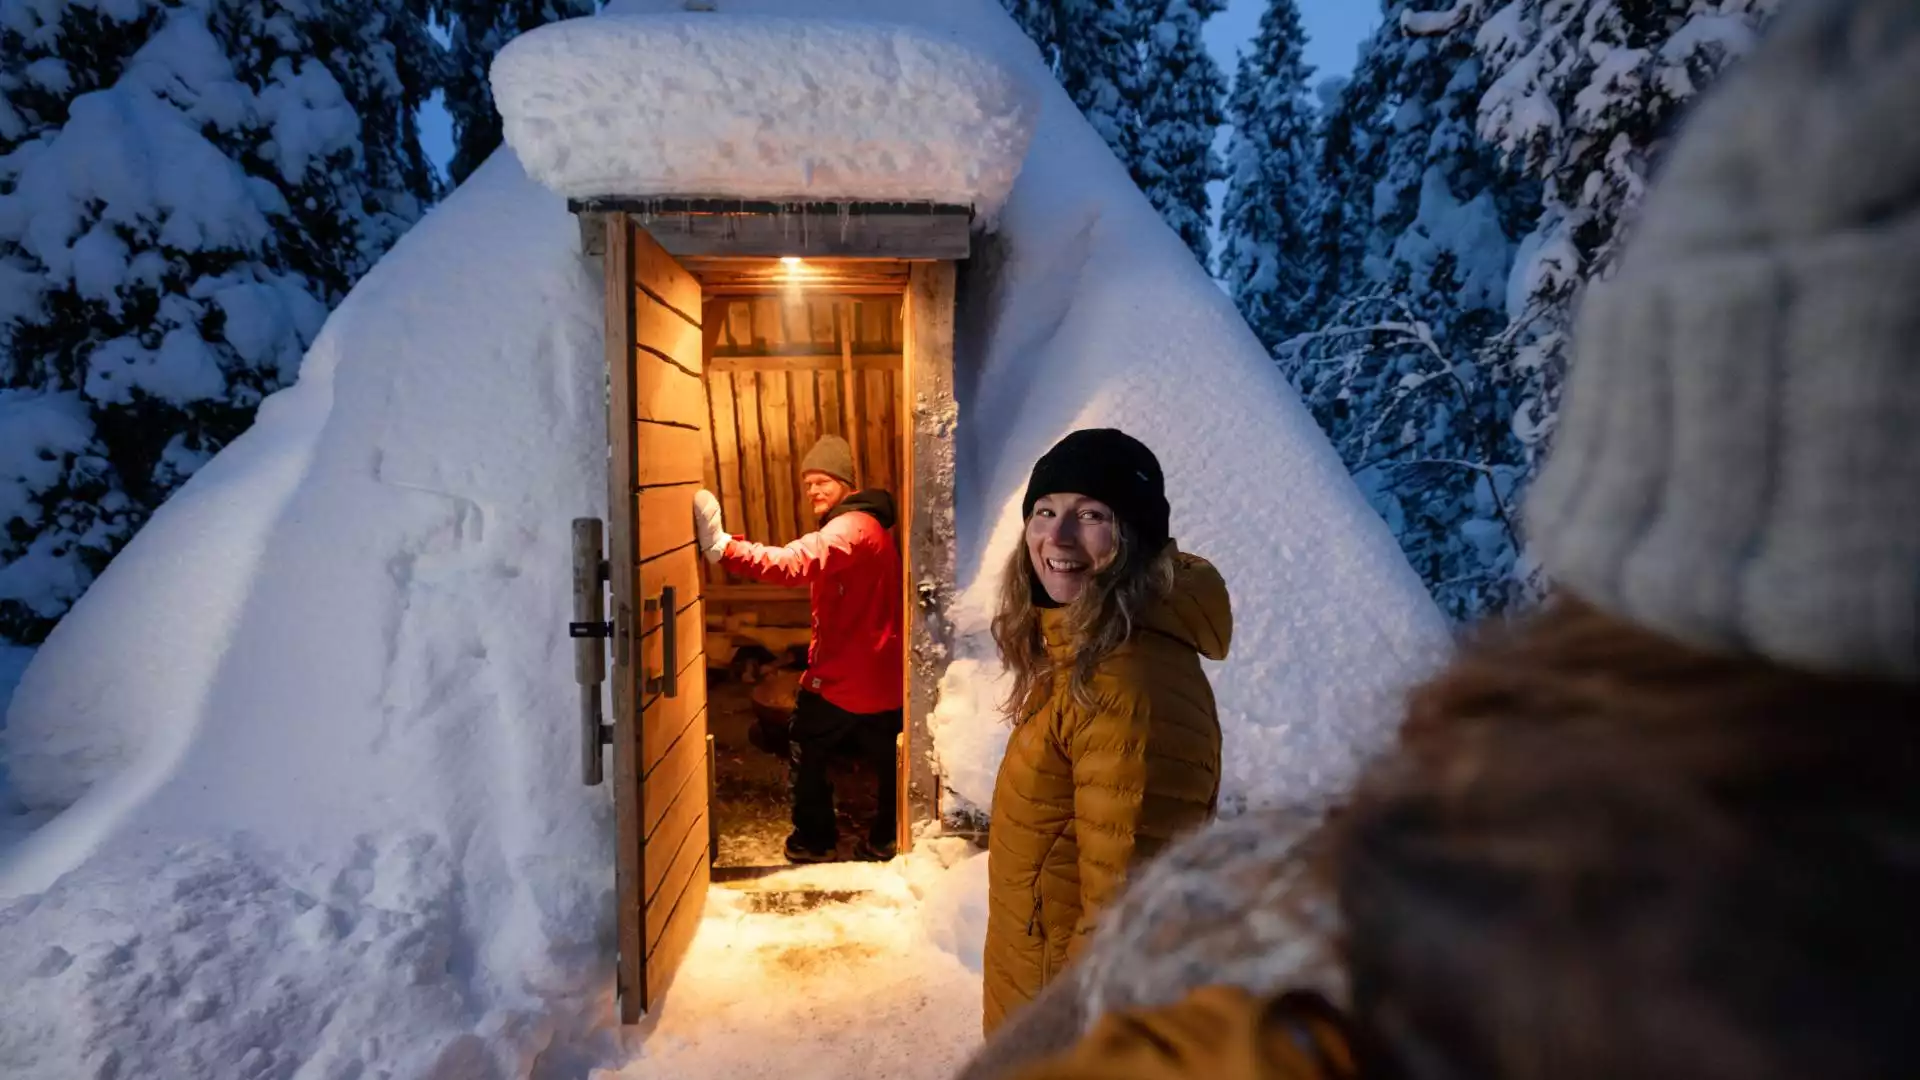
{"x":821,"y":728}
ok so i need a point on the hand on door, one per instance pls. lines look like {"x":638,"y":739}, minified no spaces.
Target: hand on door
{"x":712,"y":538}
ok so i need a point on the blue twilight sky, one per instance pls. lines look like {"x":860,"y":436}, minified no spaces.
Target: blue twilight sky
{"x":1335,"y":29}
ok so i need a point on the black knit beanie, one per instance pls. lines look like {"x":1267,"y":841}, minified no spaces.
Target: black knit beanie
{"x":1114,"y":467}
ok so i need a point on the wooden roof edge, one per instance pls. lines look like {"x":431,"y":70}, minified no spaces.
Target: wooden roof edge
{"x":681,"y":204}
{"x":745,"y":228}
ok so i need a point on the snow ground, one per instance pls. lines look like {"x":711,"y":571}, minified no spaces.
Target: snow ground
{"x":216,"y":958}
{"x":882,"y":985}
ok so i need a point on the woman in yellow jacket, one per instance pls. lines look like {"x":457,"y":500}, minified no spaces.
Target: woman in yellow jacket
{"x":1116,"y":744}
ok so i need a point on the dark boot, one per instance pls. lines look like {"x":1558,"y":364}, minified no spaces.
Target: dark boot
{"x":798,"y":852}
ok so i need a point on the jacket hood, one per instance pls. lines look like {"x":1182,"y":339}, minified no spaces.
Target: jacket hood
{"x":873,"y":502}
{"x":1197,"y":611}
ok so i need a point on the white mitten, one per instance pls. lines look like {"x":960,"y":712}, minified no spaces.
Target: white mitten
{"x":707,"y":532}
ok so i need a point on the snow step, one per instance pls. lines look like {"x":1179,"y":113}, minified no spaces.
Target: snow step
{"x":794,"y":901}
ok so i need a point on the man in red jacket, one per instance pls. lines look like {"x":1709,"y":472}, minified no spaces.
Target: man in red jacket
{"x":851,"y":694}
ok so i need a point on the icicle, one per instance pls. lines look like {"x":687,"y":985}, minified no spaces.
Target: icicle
{"x":846,"y":220}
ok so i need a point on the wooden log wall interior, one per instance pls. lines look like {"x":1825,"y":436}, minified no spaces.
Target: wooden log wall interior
{"x":782,"y":371}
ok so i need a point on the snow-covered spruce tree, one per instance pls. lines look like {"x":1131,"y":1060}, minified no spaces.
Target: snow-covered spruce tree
{"x":1582,"y":95}
{"x":57,"y":487}
{"x":1265,"y":224}
{"x":1181,"y":93}
{"x":477,"y":31}
{"x":176,"y":217}
{"x":1419,"y":219}
{"x":1140,"y":73}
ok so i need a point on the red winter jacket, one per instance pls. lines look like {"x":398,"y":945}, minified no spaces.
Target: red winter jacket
{"x":851,"y":569}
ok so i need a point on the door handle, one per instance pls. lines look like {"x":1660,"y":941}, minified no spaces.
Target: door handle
{"x":668,"y":681}
{"x":669,"y":643}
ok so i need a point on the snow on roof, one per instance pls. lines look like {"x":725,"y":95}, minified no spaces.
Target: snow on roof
{"x":313,"y":734}
{"x":764,"y":108}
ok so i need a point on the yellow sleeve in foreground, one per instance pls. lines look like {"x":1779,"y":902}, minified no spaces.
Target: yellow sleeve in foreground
{"x":1217,"y":1033}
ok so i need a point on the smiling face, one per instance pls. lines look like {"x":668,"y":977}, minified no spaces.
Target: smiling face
{"x":823,"y":492}
{"x":1070,"y":538}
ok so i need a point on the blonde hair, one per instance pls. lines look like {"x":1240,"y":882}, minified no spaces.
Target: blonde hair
{"x":1099,"y":621}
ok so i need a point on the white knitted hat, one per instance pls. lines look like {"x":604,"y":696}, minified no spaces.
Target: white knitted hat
{"x":1738,"y":461}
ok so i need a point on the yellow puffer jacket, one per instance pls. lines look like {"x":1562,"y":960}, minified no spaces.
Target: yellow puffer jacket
{"x":1217,"y":1033}
{"x":1083,"y":796}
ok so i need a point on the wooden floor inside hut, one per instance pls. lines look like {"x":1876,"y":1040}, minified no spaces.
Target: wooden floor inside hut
{"x":751,"y":797}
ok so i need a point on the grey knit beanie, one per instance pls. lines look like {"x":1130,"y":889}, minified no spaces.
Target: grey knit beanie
{"x":1738,"y":460}
{"x":831,"y":455}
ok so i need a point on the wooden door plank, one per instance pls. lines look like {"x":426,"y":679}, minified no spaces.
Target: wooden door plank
{"x":665,"y":719}
{"x":666,"y":394}
{"x":661,"y":511}
{"x":666,"y":453}
{"x":683,"y":849}
{"x":625,"y":768}
{"x":783,"y":471}
{"x":684,"y":757}
{"x":661,"y":276}
{"x":666,"y":853}
{"x":667,"y":333}
{"x":673,"y":944}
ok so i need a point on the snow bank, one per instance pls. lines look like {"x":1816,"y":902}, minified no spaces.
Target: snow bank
{"x":332,"y":675}
{"x":762,"y":107}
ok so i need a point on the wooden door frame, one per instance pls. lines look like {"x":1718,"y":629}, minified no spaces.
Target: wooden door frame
{"x":623,"y":560}
{"x":930,"y":247}
{"x":927,"y":523}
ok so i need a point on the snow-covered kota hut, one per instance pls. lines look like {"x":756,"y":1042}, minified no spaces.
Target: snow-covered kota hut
{"x":328,"y":694}
{"x":739,"y":330}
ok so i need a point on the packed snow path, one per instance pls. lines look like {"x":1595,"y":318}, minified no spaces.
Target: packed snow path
{"x":823,"y":973}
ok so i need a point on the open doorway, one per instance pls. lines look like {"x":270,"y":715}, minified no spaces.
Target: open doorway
{"x":789,"y":359}
{"x":736,"y":334}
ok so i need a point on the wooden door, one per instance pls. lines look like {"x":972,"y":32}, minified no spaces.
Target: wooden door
{"x":657,"y":415}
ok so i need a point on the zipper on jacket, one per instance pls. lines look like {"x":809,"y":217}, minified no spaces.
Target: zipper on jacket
{"x":1033,"y":923}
